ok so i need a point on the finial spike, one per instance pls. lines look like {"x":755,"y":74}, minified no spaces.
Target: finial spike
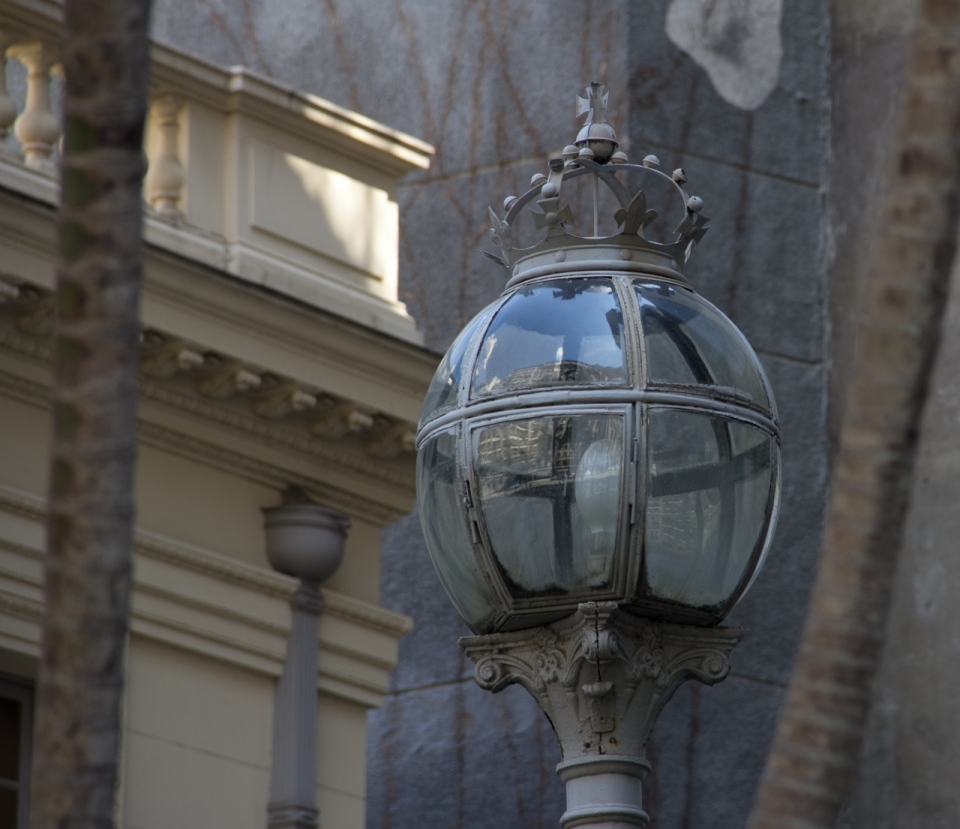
{"x":594,"y":104}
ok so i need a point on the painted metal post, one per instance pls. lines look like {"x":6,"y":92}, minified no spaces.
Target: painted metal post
{"x":293,"y":775}
{"x":303,"y":540}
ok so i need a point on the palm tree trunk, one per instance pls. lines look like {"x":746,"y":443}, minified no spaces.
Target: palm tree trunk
{"x":88,"y":566}
{"x":813,"y":760}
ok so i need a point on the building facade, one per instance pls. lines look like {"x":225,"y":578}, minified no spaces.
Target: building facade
{"x":274,"y":353}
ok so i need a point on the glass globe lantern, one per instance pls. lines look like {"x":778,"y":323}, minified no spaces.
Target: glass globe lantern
{"x":600,"y":432}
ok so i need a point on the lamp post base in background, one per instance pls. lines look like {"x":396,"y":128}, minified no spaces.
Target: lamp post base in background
{"x":602,"y":677}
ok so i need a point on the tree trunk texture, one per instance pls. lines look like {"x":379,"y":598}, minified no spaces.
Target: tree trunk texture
{"x":813,"y":759}
{"x":90,"y":527}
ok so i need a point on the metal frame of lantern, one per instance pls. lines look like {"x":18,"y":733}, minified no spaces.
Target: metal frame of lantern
{"x":631,"y":401}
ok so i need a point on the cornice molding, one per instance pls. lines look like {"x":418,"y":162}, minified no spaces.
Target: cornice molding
{"x":266,"y":473}
{"x":307,"y":331}
{"x":33,"y":347}
{"x":223,"y":568}
{"x":248,"y":424}
{"x":188,"y":296}
{"x":357,"y":639}
{"x":251,"y":468}
{"x":21,"y":608}
{"x":25,"y":505}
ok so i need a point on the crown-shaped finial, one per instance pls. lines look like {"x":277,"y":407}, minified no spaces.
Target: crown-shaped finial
{"x":595,"y":146}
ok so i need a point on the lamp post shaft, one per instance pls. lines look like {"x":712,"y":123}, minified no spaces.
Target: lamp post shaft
{"x":293,"y":776}
{"x":604,"y":791}
{"x":602,"y":676}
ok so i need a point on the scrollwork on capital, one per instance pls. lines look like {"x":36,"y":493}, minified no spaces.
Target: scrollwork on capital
{"x":602,"y":675}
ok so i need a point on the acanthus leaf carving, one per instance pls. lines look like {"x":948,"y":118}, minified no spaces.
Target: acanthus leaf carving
{"x":602,"y":675}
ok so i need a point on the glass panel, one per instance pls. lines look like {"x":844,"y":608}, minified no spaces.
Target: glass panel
{"x":689,"y":342}
{"x":445,"y":530}
{"x":9,"y":739}
{"x":772,"y":527}
{"x":568,"y":331}
{"x":707,"y":500}
{"x":442,"y":394}
{"x":549,"y":489}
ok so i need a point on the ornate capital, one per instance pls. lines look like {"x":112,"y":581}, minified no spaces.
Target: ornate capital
{"x":602,"y":675}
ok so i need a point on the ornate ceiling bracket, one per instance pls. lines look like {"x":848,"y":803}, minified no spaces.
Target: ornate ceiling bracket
{"x":602,"y":677}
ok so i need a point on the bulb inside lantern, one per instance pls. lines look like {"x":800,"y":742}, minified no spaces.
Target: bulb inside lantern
{"x":597,"y":492}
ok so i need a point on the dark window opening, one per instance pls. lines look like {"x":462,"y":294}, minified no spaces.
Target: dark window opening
{"x":16,"y":725}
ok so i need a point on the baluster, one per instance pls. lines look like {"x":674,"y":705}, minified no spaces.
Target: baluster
{"x":8,"y":109}
{"x":165,"y":175}
{"x":37,"y":128}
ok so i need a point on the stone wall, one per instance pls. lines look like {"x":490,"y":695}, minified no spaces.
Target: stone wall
{"x":491,"y":83}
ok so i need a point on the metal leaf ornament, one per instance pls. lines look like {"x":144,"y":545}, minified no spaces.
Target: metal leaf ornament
{"x":635,"y":217}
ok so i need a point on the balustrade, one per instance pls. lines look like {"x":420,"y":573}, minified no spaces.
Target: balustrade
{"x":165,"y":176}
{"x":8,"y":109}
{"x":36,"y":127}
{"x":244,"y":175}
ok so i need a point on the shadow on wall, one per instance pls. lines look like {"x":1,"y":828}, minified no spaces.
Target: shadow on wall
{"x":324,"y":211}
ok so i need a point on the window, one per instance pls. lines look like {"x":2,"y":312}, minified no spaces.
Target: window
{"x":16,"y":721}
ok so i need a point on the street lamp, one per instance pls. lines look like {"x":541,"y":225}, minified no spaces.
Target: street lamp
{"x":598,"y":473}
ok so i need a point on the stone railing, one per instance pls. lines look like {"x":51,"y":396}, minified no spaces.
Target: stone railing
{"x":245,"y":175}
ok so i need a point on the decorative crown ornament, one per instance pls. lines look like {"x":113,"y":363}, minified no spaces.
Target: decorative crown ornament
{"x":595,"y":151}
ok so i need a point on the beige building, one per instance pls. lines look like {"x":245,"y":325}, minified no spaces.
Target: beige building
{"x":275,"y":352}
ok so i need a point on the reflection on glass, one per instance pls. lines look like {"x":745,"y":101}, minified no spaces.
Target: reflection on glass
{"x":446,"y":535}
{"x":567,"y":331}
{"x":688,"y":342}
{"x":772,"y":526}
{"x":442,"y":394}
{"x":708,"y":502}
{"x":549,"y":508}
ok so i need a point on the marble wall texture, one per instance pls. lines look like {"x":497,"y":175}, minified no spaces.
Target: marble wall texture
{"x":735,"y":91}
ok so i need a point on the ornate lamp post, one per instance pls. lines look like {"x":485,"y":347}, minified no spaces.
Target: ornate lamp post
{"x":598,"y":473}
